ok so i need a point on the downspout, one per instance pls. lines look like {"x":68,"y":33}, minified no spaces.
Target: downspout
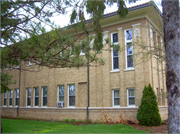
{"x":87,"y":75}
{"x":19,"y":88}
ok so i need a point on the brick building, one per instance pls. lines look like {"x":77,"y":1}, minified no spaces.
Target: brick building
{"x":61,"y":93}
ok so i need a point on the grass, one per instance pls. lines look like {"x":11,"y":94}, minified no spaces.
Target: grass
{"x":29,"y":126}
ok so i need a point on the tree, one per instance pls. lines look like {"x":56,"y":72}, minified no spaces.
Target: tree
{"x":148,"y":112}
{"x":51,"y":49}
{"x":172,"y":47}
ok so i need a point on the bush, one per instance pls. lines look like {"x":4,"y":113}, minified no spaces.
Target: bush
{"x":148,"y":112}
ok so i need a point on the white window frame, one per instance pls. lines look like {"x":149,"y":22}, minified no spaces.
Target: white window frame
{"x":131,"y":97}
{"x":28,"y":97}
{"x":36,"y":96}
{"x":116,"y":97}
{"x":74,"y":95}
{"x":44,"y":96}
{"x":16,"y":97}
{"x":5,"y":97}
{"x":112,"y":51}
{"x":10,"y":98}
{"x":58,"y":93}
{"x":126,"y":42}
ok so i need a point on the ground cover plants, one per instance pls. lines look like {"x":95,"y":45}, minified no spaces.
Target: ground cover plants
{"x":32,"y":126}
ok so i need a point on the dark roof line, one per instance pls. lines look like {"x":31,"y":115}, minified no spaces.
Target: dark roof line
{"x":130,"y":9}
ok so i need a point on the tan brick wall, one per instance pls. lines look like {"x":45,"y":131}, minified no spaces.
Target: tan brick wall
{"x":78,"y":113}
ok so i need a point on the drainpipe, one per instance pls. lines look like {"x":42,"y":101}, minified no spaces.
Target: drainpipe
{"x":87,"y":76}
{"x":19,"y":88}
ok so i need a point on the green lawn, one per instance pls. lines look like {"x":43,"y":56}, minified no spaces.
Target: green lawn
{"x":25,"y":126}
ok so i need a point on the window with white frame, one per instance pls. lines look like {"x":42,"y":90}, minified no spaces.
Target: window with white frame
{"x":5,"y":98}
{"x":36,"y":96}
{"x":16,"y":97}
{"x":44,"y":95}
{"x":131,"y":97}
{"x":28,"y":96}
{"x":129,"y":49}
{"x":61,"y":93}
{"x":115,"y":54}
{"x":71,"y":92}
{"x":10,"y":98}
{"x":116,"y":97}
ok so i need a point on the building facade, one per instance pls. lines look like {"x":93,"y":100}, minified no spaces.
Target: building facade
{"x":116,"y":87}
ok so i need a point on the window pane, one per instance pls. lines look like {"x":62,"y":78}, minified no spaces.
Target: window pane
{"x":115,"y":37}
{"x":36,"y":101}
{"x":17,"y":93}
{"x":115,"y":63}
{"x":128,"y":34}
{"x":116,"y":93}
{"x":61,"y":90}
{"x":130,"y":62}
{"x":10,"y":95}
{"x":71,"y":100}
{"x":10,"y":101}
{"x":44,"y":101}
{"x":116,"y":101}
{"x":4,"y":101}
{"x":131,"y":92}
{"x":115,"y":53}
{"x":17,"y":101}
{"x":131,"y":101}
{"x":36,"y":91}
{"x":44,"y":91}
{"x":129,"y":49}
{"x":29,"y":101}
{"x":61,"y":98}
{"x":72,"y":90}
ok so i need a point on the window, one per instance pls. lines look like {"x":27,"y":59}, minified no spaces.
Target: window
{"x":36,"y":96}
{"x":129,"y":49}
{"x":131,"y":97}
{"x":116,"y":97}
{"x":61,"y":93}
{"x":115,"y":54}
{"x":71,"y":92}
{"x":44,"y":99}
{"x":16,"y":97}
{"x":28,"y":96}
{"x":5,"y":97}
{"x":10,"y":98}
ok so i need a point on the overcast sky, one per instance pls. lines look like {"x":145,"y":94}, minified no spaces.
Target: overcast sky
{"x":63,"y":20}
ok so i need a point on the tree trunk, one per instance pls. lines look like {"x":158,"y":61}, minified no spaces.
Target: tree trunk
{"x":172,"y":47}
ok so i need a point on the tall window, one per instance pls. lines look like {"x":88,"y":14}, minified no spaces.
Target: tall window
{"x":28,"y":96}
{"x":5,"y":97}
{"x":131,"y":97}
{"x":44,"y":99}
{"x":61,"y":93}
{"x":129,"y":49}
{"x":71,"y":91}
{"x":36,"y":96}
{"x":115,"y":54}
{"x":10,"y":98}
{"x":16,"y":97}
{"x":116,"y":97}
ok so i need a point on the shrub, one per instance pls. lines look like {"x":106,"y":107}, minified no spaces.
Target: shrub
{"x":148,"y":112}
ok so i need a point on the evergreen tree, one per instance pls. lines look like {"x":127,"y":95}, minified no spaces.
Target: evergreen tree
{"x":148,"y":112}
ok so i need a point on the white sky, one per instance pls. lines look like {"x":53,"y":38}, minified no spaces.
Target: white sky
{"x":63,"y":20}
